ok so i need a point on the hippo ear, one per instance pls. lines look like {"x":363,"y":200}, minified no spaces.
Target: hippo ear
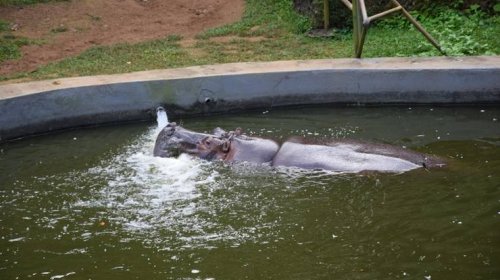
{"x":226,"y":146}
{"x":238,"y":131}
{"x":219,"y":132}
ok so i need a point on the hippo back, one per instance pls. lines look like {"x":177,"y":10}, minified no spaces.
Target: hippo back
{"x":249,"y":149}
{"x":340,"y":158}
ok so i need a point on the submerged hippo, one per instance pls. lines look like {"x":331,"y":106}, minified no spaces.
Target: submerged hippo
{"x":335,"y":155}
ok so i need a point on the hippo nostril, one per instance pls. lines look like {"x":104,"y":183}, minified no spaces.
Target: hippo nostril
{"x":226,"y":146}
{"x":208,"y":100}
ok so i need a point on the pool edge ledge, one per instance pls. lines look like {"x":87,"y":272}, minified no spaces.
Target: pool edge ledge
{"x":44,"y":106}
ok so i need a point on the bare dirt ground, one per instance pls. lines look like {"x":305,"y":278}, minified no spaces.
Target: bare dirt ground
{"x":69,"y":28}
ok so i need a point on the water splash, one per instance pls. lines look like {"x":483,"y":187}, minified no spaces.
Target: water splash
{"x":161,"y":117}
{"x":149,"y":196}
{"x":138,"y":176}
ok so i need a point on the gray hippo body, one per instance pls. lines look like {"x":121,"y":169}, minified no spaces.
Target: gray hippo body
{"x":337,"y":155}
{"x":341,"y":158}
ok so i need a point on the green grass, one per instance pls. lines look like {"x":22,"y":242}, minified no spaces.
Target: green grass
{"x":271,"y":30}
{"x":4,"y":26}
{"x":9,"y":44}
{"x":120,"y":58}
{"x":268,"y":18}
{"x":9,"y":47}
{"x":470,"y":32}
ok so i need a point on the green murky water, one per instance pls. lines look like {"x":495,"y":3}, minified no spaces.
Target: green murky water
{"x":94,"y":203}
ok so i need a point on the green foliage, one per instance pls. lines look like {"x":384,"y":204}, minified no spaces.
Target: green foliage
{"x":9,"y":44}
{"x":341,"y":17}
{"x":457,"y":32}
{"x":267,"y":18}
{"x":4,"y":26}
{"x":8,"y":51}
{"x":496,"y":8}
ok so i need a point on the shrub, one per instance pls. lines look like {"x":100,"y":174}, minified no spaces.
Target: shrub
{"x":341,"y":17}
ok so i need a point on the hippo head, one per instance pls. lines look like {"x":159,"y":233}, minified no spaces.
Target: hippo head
{"x":174,"y":140}
{"x":228,"y":146}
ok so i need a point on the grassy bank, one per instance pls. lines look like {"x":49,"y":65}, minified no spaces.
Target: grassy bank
{"x":271,"y":30}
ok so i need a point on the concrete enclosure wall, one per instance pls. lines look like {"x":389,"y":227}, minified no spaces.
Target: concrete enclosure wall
{"x":39,"y":107}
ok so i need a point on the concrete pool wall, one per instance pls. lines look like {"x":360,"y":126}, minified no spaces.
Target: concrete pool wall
{"x":44,"y":106}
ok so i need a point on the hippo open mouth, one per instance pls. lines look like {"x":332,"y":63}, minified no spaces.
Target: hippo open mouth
{"x":176,"y":149}
{"x":174,"y":140}
{"x":188,"y":148}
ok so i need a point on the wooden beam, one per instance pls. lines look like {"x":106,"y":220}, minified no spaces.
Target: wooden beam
{"x":348,"y":4}
{"x":383,"y":14}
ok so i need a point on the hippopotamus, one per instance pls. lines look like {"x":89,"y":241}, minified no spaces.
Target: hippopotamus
{"x":340,"y":155}
{"x":230,"y":147}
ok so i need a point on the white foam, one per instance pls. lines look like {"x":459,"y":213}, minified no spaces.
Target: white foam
{"x":17,"y":239}
{"x":162,"y":179}
{"x":62,"y":275}
{"x":150,"y":193}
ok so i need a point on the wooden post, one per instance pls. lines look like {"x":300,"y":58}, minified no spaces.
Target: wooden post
{"x":326,"y":14}
{"x":358,"y":29}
